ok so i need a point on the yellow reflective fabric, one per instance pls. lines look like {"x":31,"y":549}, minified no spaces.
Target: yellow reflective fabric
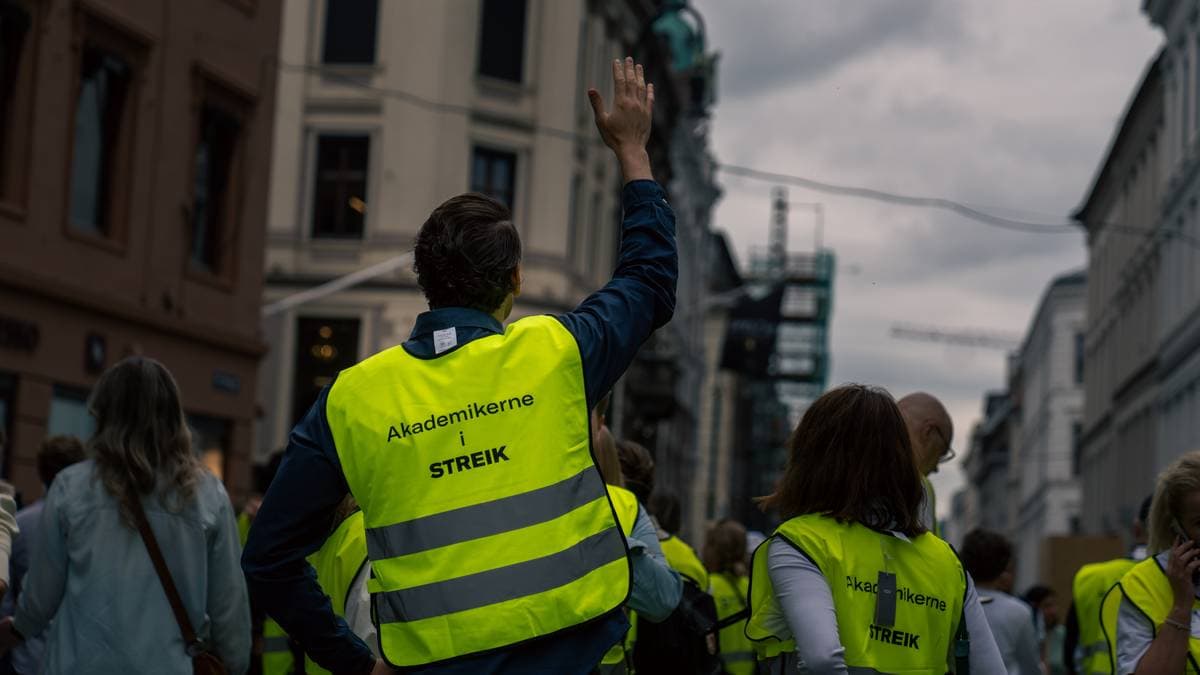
{"x":763,"y":603}
{"x":626,"y":505}
{"x":683,"y":559}
{"x":337,"y":563}
{"x":277,"y":658}
{"x":1092,"y":582}
{"x":1147,"y":587}
{"x":243,"y":525}
{"x":930,"y":584}
{"x":487,"y":523}
{"x":931,"y":495}
{"x":729,"y":593}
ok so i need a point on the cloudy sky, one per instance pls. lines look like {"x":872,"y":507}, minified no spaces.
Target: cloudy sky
{"x":1006,"y":105}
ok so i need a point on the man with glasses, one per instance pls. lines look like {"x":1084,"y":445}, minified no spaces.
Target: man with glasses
{"x":930,"y":430}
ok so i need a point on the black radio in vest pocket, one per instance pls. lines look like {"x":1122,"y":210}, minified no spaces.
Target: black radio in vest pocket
{"x":885,"y":600}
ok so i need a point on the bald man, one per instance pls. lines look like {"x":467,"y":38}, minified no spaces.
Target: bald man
{"x":930,"y":430}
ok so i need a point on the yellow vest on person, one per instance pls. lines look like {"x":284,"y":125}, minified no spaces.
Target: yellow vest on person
{"x":931,"y":495}
{"x":486,"y":519}
{"x":683,"y":559}
{"x":729,"y":593}
{"x":277,"y":656}
{"x":1092,"y":582}
{"x":1147,"y":587}
{"x":618,"y":658}
{"x":339,"y":561}
{"x":930,"y":585}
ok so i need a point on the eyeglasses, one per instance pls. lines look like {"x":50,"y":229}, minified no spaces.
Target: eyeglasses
{"x":947,"y":454}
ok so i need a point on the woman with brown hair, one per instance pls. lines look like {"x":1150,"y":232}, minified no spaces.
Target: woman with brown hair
{"x":725,"y":557}
{"x":851,"y":579}
{"x":91,"y":579}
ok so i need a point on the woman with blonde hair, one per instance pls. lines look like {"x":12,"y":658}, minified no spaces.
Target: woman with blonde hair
{"x":91,"y":579}
{"x":1154,"y":625}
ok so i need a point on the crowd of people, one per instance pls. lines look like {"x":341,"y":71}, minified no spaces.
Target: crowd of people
{"x":506,"y":529}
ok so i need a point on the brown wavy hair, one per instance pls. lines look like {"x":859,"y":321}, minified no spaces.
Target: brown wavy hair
{"x":724,"y":550}
{"x":850,"y":458}
{"x":142,"y":444}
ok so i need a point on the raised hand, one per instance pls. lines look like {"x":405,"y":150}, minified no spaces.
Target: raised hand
{"x":626,"y":128}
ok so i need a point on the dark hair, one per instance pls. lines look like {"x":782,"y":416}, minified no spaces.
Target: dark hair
{"x":664,"y":506}
{"x":264,"y":474}
{"x":724,"y":548}
{"x":638,"y":468}
{"x":1144,"y":510}
{"x":985,"y":554}
{"x":466,"y":254}
{"x":56,"y":454}
{"x":1038,"y":593}
{"x":850,"y":459}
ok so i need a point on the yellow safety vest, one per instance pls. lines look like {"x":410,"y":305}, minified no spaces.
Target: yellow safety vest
{"x":930,"y":585}
{"x":338,"y":563}
{"x":1092,"y":583}
{"x":1147,"y":587}
{"x":277,"y":656}
{"x":683,"y":559}
{"x":487,"y":522}
{"x":934,"y":527}
{"x":617,"y":660}
{"x":729,"y":593}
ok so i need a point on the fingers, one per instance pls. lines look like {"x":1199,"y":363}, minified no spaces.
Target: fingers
{"x":630,"y":77}
{"x":618,"y":78}
{"x":640,"y":82}
{"x":650,"y":98}
{"x":597,"y":102}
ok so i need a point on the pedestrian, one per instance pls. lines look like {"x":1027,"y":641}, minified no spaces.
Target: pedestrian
{"x":492,"y":540}
{"x":56,"y":454}
{"x":988,"y":557}
{"x":725,"y":558}
{"x":931,"y":432}
{"x":271,"y":652}
{"x":91,"y":577}
{"x":668,"y":514}
{"x":1157,"y":597}
{"x":852,"y":580}
{"x":637,"y":466}
{"x":343,"y":570}
{"x":1048,"y":628}
{"x":1086,"y":649}
{"x":656,"y":587}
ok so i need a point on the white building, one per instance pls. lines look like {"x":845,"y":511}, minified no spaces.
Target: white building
{"x":1048,"y":388}
{"x":385,"y":109}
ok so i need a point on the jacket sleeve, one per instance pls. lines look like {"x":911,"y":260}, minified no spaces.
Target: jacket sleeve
{"x":656,"y":587}
{"x":612,"y":323}
{"x":46,"y":580}
{"x":292,"y":523}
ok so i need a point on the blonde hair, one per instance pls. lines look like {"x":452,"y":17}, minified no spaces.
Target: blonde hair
{"x":1180,"y":479}
{"x":142,"y":444}
{"x":605,"y":449}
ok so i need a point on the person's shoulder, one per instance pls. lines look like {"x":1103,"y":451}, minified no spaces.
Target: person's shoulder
{"x":79,"y":475}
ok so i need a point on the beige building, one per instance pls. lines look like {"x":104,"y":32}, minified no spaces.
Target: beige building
{"x":134,"y":139}
{"x":388,"y":108}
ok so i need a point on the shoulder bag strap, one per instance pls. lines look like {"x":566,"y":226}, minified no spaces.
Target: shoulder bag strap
{"x":164,"y":574}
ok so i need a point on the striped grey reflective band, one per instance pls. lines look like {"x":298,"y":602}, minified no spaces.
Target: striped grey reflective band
{"x":737,"y":657}
{"x":1093,"y":649}
{"x":503,"y":583}
{"x":779,"y":666}
{"x":483,"y":520}
{"x":277,"y":643}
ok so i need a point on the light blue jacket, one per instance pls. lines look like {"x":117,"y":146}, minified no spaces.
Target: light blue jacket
{"x":91,"y":581}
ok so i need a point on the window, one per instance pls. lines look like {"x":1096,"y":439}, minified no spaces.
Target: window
{"x":68,"y":413}
{"x":102,"y":111}
{"x":16,"y":75}
{"x":1076,"y":448}
{"x":324,"y":347}
{"x":1080,"y":345}
{"x":350,"y":31}
{"x":493,"y":173}
{"x":502,"y":39}
{"x":214,"y":210}
{"x":340,"y":199}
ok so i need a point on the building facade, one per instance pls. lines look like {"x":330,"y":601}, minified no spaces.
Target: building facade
{"x":464,"y":95}
{"x":987,"y":502}
{"x":134,"y":153}
{"x":1048,"y":424}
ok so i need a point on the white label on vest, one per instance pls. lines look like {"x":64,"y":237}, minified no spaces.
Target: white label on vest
{"x":444,"y":339}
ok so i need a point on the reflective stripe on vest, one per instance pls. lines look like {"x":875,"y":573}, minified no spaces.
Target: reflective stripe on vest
{"x":277,"y":657}
{"x":1147,"y":587}
{"x":729,"y":595}
{"x":930,"y":587}
{"x":626,"y":506}
{"x":683,"y":559}
{"x":1092,"y":582}
{"x":486,"y":520}
{"x":338,"y":563}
